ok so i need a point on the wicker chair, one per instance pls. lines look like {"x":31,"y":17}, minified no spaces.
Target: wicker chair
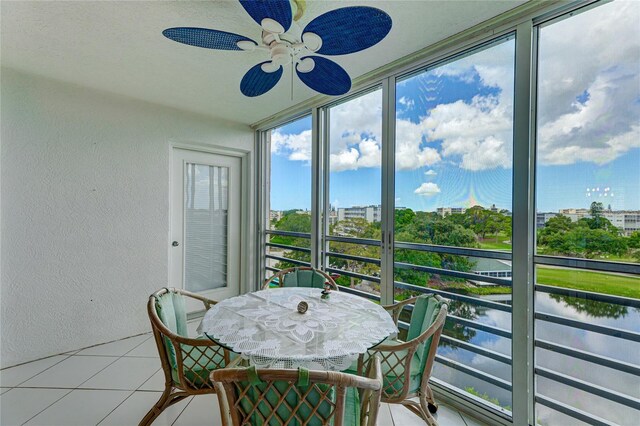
{"x":302,"y":276}
{"x":406,"y":366}
{"x":186,"y":362}
{"x":298,"y":397}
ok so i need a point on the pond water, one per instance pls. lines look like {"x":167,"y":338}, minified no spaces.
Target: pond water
{"x":612,"y":315}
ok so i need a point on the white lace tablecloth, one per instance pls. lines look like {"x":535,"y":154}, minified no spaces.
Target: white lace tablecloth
{"x":266,"y":328}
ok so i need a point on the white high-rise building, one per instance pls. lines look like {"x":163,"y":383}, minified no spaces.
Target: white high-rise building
{"x":369,"y":213}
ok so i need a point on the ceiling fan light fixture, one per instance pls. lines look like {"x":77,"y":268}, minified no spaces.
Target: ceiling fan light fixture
{"x":312,"y":41}
{"x":247,"y":45}
{"x":272,"y":26}
{"x":269,"y":67}
{"x":306,"y":65}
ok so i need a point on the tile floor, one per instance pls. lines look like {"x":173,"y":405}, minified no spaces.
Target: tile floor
{"x":116,"y":384}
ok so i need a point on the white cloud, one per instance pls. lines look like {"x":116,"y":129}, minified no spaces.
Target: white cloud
{"x":344,"y":160}
{"x":406,"y":102}
{"x":427,"y":189}
{"x":603,"y":73}
{"x":479,"y":132}
{"x":355,"y":133}
{"x":475,"y":134}
{"x":430,"y":172}
{"x":410,"y":151}
{"x":367,"y":154}
{"x":296,"y":146}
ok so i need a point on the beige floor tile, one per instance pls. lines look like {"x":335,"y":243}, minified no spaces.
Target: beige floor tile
{"x":384,"y":416}
{"x":131,"y":411}
{"x":10,"y":377}
{"x":147,"y":349}
{"x":155,"y":383}
{"x":70,"y":373}
{"x":202,"y":410}
{"x":80,"y":407}
{"x":117,"y":348}
{"x":20,"y":404}
{"x":124,"y":374}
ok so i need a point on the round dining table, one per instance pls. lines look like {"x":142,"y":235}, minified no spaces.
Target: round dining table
{"x":266,"y":327}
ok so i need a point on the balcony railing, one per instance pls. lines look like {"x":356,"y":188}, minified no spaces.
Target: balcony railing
{"x":505,"y":359}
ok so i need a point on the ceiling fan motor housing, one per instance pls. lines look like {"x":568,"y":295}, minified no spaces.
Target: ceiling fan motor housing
{"x":281,"y":54}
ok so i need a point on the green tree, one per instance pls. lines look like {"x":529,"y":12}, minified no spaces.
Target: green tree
{"x":403,"y":217}
{"x":292,"y":222}
{"x":356,"y":228}
{"x":634,"y":240}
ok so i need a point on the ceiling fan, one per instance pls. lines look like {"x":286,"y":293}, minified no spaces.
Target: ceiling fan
{"x":337,"y":32}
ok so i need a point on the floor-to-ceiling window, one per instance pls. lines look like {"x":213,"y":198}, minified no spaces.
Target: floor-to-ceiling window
{"x":587,"y":298}
{"x":453,"y":206}
{"x":288,"y":216}
{"x":456,"y":191}
{"x":354,"y":211}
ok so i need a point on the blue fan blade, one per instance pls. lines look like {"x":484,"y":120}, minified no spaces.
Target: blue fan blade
{"x":349,"y":29}
{"x":203,"y":37}
{"x":278,"y":10}
{"x":326,"y":77}
{"x":257,"y":82}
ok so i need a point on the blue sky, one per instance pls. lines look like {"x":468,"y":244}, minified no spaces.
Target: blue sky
{"x":454,"y":139}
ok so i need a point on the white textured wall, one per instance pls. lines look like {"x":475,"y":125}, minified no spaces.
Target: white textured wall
{"x":85,"y":211}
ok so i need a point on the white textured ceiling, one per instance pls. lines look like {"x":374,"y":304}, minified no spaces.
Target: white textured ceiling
{"x":118,"y":47}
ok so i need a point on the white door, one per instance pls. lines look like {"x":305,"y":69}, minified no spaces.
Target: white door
{"x":205,"y":224}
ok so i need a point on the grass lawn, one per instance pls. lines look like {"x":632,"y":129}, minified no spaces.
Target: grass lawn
{"x":599,"y":282}
{"x":612,"y":258}
{"x":489,"y":243}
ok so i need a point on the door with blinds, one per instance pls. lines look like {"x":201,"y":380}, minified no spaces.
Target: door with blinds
{"x":205,"y":219}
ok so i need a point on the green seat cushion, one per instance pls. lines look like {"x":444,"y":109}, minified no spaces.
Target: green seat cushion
{"x":195,"y":372}
{"x":389,"y":374}
{"x":173,"y":314}
{"x":273,"y":395}
{"x":304,"y":278}
{"x":425,"y":311}
{"x":352,"y":408}
{"x":171,"y":309}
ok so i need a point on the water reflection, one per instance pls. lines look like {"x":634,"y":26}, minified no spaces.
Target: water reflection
{"x":592,"y":308}
{"x":588,"y":311}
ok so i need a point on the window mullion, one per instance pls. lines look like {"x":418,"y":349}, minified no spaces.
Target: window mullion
{"x":316,"y":188}
{"x":523,"y":225}
{"x":388,"y":189}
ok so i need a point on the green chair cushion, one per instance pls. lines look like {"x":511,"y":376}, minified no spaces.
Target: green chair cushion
{"x":303,"y":278}
{"x":166,"y":311}
{"x":196,"y":373}
{"x":425,"y":311}
{"x":171,"y":309}
{"x":172,"y":312}
{"x":390,"y":375}
{"x":352,"y":408}
{"x":352,"y":404}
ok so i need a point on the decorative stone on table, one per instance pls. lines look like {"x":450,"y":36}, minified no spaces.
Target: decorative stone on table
{"x":303,"y":307}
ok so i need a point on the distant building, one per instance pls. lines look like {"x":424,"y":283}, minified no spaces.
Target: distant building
{"x":628,"y":221}
{"x":492,"y":268}
{"x":575,"y":214}
{"x":542,"y":218}
{"x":369,"y":213}
{"x":446,"y":211}
{"x":275,"y":215}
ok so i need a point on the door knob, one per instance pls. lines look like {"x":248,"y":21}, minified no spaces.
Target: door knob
{"x":175,"y":244}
